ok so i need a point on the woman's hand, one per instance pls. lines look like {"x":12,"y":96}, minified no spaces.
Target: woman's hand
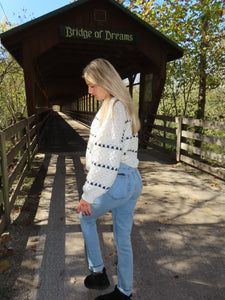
{"x":84,"y":207}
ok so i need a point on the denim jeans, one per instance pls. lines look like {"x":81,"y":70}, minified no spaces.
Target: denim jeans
{"x":121,"y":199}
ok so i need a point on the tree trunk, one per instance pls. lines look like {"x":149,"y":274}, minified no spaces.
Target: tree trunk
{"x":200,"y":113}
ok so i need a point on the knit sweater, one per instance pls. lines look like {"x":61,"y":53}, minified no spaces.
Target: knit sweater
{"x":109,"y":144}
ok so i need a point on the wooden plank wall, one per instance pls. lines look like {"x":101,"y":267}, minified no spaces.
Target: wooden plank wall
{"x":177,"y":136}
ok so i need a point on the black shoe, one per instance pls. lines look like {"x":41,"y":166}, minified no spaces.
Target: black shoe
{"x":97,"y":281}
{"x":115,"y":295}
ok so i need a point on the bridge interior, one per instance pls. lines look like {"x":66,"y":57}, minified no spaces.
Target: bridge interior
{"x":60,"y":137}
{"x":178,"y":233}
{"x":54,"y":49}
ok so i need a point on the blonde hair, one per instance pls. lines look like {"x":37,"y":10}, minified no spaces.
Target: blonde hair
{"x":101,"y":72}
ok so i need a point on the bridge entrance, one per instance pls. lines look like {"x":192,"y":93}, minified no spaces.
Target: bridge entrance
{"x":54,"y":49}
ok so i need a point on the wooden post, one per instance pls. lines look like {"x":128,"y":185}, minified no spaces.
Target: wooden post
{"x":5,"y":178}
{"x":28,"y":143}
{"x":179,"y":135}
{"x":98,"y":104}
{"x":20,"y":135}
{"x":131,"y":79}
{"x":38,"y":130}
{"x":164,"y":134}
{"x":29,"y":78}
{"x":89,"y":103}
{"x":93,"y":103}
{"x":145,"y":106}
{"x":84,"y":103}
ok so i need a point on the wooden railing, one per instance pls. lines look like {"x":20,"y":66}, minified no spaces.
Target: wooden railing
{"x":84,"y":117}
{"x":199,"y":143}
{"x":18,"y":145}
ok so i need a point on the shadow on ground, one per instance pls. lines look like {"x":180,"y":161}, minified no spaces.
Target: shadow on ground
{"x":60,"y":137}
{"x":178,"y":234}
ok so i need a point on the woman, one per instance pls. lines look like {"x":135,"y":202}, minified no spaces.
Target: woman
{"x":113,"y":181}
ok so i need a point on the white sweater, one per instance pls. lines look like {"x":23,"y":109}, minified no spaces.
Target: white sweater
{"x":110,"y":144}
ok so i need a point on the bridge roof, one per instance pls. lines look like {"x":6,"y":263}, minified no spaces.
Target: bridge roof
{"x":178,"y":51}
{"x":58,"y":50}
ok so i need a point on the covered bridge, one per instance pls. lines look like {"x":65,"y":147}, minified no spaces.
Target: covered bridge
{"x":54,"y":49}
{"x":179,"y":218}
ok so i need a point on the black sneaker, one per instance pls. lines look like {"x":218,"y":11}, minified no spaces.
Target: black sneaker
{"x":97,"y":281}
{"x":115,"y":295}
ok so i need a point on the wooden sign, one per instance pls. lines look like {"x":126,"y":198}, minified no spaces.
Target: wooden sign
{"x":89,"y":34}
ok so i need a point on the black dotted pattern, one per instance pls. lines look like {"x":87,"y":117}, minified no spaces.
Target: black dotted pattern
{"x":108,"y":146}
{"x":130,"y":150}
{"x":104,"y":166}
{"x":98,"y":185}
{"x":133,"y":151}
{"x":122,"y":139}
{"x":129,"y":138}
{"x":94,"y":135}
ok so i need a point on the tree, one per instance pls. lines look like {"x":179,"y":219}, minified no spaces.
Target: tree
{"x":198,"y":26}
{"x":209,"y":15}
{"x":12,"y":91}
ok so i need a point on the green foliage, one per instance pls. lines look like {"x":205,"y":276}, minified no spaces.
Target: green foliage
{"x":12,"y":91}
{"x":198,"y":26}
{"x":215,"y":106}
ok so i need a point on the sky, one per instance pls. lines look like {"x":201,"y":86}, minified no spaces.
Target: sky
{"x":21,"y":11}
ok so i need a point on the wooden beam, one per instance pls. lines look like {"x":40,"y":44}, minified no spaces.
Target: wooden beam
{"x":29,"y":77}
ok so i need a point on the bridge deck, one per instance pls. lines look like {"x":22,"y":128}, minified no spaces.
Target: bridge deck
{"x":178,"y":234}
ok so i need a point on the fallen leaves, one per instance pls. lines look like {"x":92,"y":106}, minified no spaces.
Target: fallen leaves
{"x":5,"y":238}
{"x":33,"y":247}
{"x":165,"y":221}
{"x":6,"y":251}
{"x":4,"y":265}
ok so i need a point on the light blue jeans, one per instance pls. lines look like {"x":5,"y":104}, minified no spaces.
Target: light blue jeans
{"x":121,"y":199}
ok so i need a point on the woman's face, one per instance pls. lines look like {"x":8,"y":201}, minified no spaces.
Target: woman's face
{"x":99,"y":92}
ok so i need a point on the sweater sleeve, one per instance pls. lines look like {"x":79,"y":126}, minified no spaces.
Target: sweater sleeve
{"x":106,"y":154}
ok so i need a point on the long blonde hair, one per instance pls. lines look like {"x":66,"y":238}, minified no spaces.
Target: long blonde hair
{"x":101,"y":72}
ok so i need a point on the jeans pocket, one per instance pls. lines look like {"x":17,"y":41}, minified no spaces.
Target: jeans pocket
{"x":120,"y":188}
{"x":139,"y":185}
